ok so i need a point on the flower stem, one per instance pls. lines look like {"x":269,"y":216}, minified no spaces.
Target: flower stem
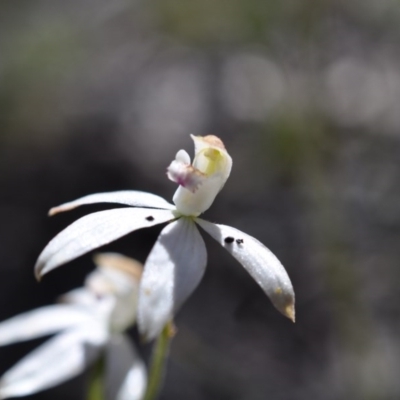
{"x":96,"y":387}
{"x":158,"y":360}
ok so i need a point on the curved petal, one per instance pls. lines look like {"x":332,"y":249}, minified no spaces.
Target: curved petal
{"x":260,"y":262}
{"x":125,"y":372}
{"x":95,"y":230}
{"x":56,"y":361}
{"x":172,"y":271}
{"x":80,"y":296}
{"x":40,"y":322}
{"x":132,"y":198}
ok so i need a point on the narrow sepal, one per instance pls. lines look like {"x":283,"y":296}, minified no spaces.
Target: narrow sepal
{"x":56,"y":361}
{"x":41,"y":322}
{"x":132,"y":198}
{"x":95,"y":230}
{"x":172,"y":271}
{"x":259,"y":261}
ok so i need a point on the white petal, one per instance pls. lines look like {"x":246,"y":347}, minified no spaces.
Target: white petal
{"x":172,"y":271}
{"x":132,"y":198}
{"x":56,"y":361}
{"x":185,"y":175}
{"x":260,"y":262}
{"x":95,"y":230}
{"x":134,"y":385}
{"x":183,"y":157}
{"x":81,"y":296}
{"x":40,"y":322}
{"x":180,"y":171}
{"x":126,"y":376}
{"x":100,"y":307}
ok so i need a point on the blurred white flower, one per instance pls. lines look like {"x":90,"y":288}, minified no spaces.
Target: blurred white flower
{"x":177,"y":261}
{"x":89,"y":323}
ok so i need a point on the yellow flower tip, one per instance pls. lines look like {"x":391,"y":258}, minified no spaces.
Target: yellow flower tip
{"x":290,"y":312}
{"x":115,"y":261}
{"x":283,"y":300}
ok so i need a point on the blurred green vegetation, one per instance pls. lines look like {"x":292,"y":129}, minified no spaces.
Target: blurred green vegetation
{"x":226,"y":22}
{"x":37,"y":66}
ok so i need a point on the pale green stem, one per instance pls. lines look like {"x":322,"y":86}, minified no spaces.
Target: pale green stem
{"x":158,"y":360}
{"x":96,"y":385}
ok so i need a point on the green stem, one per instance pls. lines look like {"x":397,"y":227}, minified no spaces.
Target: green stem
{"x":158,"y":360}
{"x":96,"y":386}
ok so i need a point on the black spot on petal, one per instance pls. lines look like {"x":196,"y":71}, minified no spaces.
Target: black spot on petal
{"x":239,"y":241}
{"x":229,"y":239}
{"x":150,"y":218}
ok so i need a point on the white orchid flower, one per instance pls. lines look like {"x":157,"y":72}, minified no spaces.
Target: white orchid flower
{"x":90,"y":322}
{"x":177,"y":261}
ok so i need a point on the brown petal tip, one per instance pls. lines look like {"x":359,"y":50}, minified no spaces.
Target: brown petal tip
{"x":210,"y":141}
{"x":52,"y":211}
{"x":290,"y":312}
{"x":58,"y":209}
{"x":214,"y":141}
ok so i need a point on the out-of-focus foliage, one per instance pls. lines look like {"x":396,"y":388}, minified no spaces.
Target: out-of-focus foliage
{"x":99,"y":95}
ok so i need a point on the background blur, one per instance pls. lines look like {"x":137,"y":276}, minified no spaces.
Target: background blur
{"x":99,"y":95}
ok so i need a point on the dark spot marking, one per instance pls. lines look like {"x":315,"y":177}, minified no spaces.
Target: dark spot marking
{"x":150,"y":218}
{"x":239,"y":241}
{"x":229,"y":239}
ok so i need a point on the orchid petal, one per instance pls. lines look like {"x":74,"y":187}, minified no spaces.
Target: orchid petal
{"x":131,"y":198}
{"x":183,"y":156}
{"x":125,"y":372}
{"x":172,"y":271}
{"x":260,"y":262}
{"x":80,"y":296}
{"x":56,"y":361}
{"x":95,"y":230}
{"x":181,"y":172}
{"x":41,"y":322}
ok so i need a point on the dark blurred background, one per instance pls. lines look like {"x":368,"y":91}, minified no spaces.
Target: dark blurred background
{"x":99,"y":95}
